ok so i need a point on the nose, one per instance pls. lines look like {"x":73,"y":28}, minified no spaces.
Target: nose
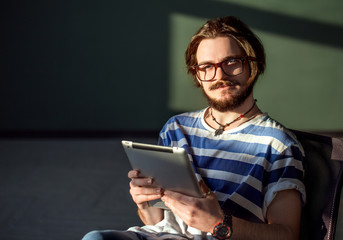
{"x":220,"y":74}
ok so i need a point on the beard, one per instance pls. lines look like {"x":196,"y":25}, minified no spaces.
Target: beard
{"x":229,"y":104}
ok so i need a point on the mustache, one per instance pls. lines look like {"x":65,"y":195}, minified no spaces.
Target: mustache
{"x":226,"y":83}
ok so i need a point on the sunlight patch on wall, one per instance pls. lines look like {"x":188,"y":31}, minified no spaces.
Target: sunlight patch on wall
{"x":302,"y":85}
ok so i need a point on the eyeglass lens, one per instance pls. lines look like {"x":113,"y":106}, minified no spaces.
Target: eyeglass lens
{"x":231,"y":67}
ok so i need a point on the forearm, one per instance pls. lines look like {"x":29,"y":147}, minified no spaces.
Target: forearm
{"x":150,"y":215}
{"x":244,"y":230}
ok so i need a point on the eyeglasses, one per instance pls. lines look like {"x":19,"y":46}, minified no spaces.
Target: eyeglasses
{"x":230,"y":66}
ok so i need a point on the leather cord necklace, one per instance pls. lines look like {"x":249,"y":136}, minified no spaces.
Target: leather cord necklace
{"x":221,"y":128}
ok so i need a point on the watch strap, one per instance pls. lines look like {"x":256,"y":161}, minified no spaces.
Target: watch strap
{"x":227,"y":220}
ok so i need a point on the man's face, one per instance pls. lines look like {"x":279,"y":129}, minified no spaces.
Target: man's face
{"x":225,"y":92}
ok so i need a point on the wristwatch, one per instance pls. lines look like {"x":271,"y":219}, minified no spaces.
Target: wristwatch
{"x":223,"y":230}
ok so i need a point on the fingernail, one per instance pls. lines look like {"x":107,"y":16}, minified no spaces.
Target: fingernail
{"x":136,"y":174}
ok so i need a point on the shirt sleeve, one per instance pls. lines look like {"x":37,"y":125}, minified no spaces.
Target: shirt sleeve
{"x":286,"y":172}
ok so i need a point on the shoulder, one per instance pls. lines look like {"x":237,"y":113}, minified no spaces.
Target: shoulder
{"x":184,"y":119}
{"x":273,"y":133}
{"x":178,"y":126}
{"x":187,"y":115}
{"x":268,"y":126}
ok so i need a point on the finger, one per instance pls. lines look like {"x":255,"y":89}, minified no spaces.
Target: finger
{"x":173,"y":203}
{"x":204,"y":188}
{"x":133,"y":173}
{"x":145,"y":191}
{"x":141,"y":195}
{"x":141,"y":182}
{"x":139,"y":199}
{"x":178,"y":197}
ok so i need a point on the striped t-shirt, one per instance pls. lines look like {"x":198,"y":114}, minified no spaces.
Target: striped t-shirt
{"x":246,"y":166}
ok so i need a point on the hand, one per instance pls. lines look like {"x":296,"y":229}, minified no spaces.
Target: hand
{"x":201,"y":213}
{"x":142,"y":189}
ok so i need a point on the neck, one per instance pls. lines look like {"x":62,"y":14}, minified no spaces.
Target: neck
{"x":231,"y":119}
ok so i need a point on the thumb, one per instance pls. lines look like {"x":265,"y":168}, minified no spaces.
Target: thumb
{"x":204,"y":187}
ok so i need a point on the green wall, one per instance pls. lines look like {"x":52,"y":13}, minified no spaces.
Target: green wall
{"x":113,"y":65}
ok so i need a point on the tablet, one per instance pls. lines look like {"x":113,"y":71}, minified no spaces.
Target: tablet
{"x":170,"y":168}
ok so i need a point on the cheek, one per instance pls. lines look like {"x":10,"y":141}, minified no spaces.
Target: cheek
{"x":205,"y":86}
{"x":244,"y":78}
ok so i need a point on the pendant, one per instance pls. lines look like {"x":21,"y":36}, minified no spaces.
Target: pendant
{"x":219,"y":131}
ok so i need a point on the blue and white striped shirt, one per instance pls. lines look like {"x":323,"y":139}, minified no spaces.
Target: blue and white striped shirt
{"x":246,"y":166}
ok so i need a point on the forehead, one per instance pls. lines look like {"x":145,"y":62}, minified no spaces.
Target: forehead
{"x":216,"y":49}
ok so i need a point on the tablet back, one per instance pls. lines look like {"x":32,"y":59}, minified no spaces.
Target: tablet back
{"x":169,"y":166}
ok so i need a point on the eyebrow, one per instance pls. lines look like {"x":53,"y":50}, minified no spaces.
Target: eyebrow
{"x":224,"y":59}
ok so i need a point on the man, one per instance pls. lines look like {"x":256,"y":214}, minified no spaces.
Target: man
{"x":250,"y":166}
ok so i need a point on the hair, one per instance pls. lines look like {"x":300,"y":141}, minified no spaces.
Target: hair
{"x":234,"y":28}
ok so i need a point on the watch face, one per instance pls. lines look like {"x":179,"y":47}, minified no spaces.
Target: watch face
{"x":222,"y":232}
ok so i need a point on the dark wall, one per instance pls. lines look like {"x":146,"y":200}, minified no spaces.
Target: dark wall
{"x":83,"y":65}
{"x":105,"y":65}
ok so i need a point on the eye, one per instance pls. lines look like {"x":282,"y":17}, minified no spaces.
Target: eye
{"x":205,"y":67}
{"x":232,"y":61}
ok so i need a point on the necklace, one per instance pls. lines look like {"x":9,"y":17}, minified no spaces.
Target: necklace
{"x":221,"y":128}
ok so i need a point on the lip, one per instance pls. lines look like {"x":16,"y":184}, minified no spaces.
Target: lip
{"x":225,"y":87}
